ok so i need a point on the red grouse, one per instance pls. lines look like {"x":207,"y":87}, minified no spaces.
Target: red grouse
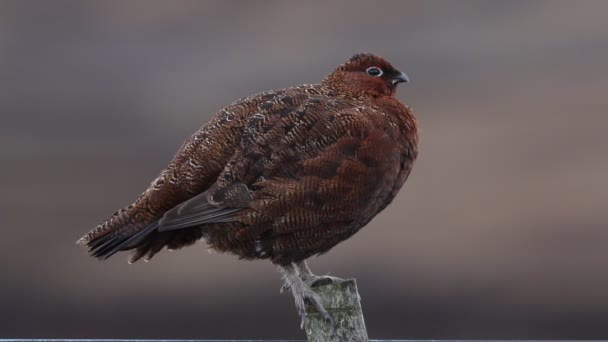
{"x":282,"y":175}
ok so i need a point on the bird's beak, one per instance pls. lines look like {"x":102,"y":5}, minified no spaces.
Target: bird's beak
{"x":401,"y":77}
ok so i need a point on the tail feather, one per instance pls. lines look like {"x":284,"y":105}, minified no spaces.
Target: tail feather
{"x":147,"y":231}
{"x":147,"y":240}
{"x":116,"y":234}
{"x":104,"y":247}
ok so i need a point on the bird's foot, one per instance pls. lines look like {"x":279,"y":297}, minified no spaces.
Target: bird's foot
{"x":302,"y":293}
{"x":316,"y":280}
{"x":308,"y":295}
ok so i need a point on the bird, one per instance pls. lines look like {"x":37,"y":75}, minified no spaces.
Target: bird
{"x":282,"y":175}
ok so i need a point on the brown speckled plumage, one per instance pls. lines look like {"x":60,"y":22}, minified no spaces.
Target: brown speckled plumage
{"x":282,"y":175}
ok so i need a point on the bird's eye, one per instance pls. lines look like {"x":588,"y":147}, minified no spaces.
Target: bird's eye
{"x":374,"y":71}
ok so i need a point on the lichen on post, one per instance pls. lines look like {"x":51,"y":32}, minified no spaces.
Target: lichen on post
{"x":342,"y":301}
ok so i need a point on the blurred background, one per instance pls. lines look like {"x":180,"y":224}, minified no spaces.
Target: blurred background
{"x":500,"y":232}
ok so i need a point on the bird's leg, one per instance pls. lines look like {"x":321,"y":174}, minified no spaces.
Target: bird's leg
{"x":312,"y":279}
{"x":301,"y":291}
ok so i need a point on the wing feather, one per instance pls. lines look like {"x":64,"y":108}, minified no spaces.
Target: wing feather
{"x":213,"y":206}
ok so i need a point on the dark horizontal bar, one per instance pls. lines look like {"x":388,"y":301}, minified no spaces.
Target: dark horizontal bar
{"x":125,"y":340}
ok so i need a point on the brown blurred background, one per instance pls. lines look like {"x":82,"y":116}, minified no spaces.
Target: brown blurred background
{"x":501,"y":231}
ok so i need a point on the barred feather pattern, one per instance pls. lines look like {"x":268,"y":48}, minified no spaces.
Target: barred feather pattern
{"x":281,"y":175}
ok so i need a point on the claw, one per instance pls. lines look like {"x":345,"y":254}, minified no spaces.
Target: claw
{"x":300,"y":283}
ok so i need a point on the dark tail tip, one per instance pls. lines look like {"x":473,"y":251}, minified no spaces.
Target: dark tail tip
{"x":105,"y":245}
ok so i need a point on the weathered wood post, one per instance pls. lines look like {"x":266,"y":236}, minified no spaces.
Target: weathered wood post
{"x":341,"y":299}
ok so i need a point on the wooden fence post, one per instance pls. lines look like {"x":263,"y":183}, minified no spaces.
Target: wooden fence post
{"x":342,"y":301}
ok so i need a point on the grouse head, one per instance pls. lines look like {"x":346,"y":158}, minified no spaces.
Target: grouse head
{"x":366,"y":74}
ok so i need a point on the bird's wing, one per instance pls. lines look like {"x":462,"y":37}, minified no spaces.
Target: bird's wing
{"x":327,"y":150}
{"x":277,"y":144}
